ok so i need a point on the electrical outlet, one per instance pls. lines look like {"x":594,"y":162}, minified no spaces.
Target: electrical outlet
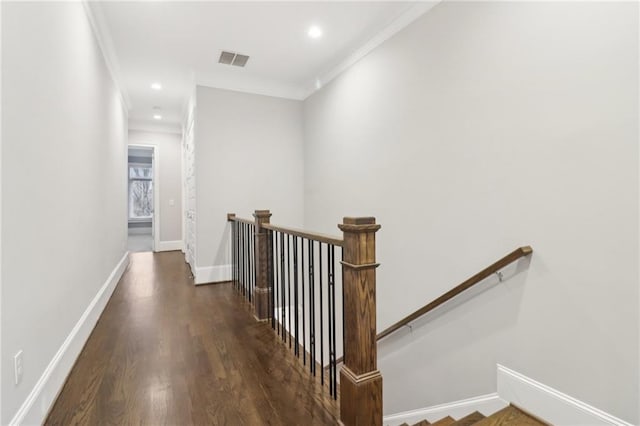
{"x":17,"y":366}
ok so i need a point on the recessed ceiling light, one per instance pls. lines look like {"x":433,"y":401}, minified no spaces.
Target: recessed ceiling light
{"x":156,"y":86}
{"x":157,"y":117}
{"x":314,"y":31}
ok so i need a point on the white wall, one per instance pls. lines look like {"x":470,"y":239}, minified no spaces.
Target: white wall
{"x":63,"y":186}
{"x":248,"y":153}
{"x":479,"y":128}
{"x":168,"y":160}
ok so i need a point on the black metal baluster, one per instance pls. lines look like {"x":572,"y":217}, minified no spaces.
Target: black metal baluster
{"x":243,"y":258}
{"x":249,"y":264}
{"x":253,"y":262}
{"x":252,"y":271}
{"x":276,"y":257}
{"x":253,"y":253}
{"x":248,"y":294}
{"x":296,"y":349}
{"x":342,"y":288}
{"x":235,"y":253}
{"x":273,"y":281}
{"x":282,"y":293}
{"x":312,"y":313}
{"x":304,"y":331}
{"x":242,"y":254}
{"x":280,"y":275}
{"x":246,"y":262}
{"x":321,"y":314}
{"x":238,"y":257}
{"x":331,"y":254}
{"x":289,"y":283}
{"x":330,"y":317}
{"x":248,"y":255}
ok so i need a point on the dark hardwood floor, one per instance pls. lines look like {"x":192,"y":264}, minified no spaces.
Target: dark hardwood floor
{"x":167,"y":352}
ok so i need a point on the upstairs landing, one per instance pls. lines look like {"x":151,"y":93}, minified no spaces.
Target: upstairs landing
{"x":168,"y":352}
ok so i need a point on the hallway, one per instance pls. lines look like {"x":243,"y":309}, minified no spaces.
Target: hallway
{"x":167,"y":352}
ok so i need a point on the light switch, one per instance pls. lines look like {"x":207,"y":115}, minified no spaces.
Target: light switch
{"x":171,"y":202}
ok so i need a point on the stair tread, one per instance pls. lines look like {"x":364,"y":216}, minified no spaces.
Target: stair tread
{"x":422,"y":423}
{"x":469,"y":420}
{"x":444,"y":421}
{"x":510,"y":416}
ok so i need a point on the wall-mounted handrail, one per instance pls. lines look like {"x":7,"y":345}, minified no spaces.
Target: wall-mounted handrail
{"x":328,"y":239}
{"x":465,"y":285}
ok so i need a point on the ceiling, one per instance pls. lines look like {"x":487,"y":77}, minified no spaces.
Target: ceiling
{"x":178,"y":44}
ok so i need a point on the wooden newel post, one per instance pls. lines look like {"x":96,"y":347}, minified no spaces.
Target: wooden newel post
{"x":360,"y":380}
{"x":263,"y":262}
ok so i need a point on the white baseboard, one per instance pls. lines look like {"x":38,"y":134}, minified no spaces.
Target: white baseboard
{"x":534,"y":397}
{"x":212,"y":274}
{"x":35,"y":408}
{"x":169,"y":245}
{"x":549,"y":404}
{"x":486,"y":404}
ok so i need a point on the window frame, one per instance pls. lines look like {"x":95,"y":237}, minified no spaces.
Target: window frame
{"x":146,"y":219}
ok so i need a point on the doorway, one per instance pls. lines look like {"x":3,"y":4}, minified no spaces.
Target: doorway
{"x":142,"y":198}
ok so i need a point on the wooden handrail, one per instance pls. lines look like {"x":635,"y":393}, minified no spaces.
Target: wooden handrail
{"x":336,"y":241}
{"x":486,"y":272}
{"x":465,"y":285}
{"x":234,"y":218}
{"x":328,"y":239}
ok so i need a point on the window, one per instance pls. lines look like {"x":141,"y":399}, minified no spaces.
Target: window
{"x":140,"y":192}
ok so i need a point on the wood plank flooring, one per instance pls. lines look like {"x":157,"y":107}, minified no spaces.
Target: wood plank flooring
{"x":510,"y":415}
{"x":168,"y":353}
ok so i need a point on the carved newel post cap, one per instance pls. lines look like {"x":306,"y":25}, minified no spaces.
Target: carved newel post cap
{"x":359,"y":220}
{"x":359,"y":224}
{"x":262,"y":213}
{"x":231,"y":216}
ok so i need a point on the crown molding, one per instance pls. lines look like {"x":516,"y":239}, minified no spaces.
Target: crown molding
{"x":279,"y":90}
{"x":405,"y":18}
{"x":255,"y":86}
{"x":103,"y":37}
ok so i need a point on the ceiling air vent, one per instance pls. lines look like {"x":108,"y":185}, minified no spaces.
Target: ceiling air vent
{"x":231,"y":58}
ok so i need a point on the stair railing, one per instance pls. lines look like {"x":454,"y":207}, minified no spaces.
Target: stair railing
{"x":289,"y":277}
